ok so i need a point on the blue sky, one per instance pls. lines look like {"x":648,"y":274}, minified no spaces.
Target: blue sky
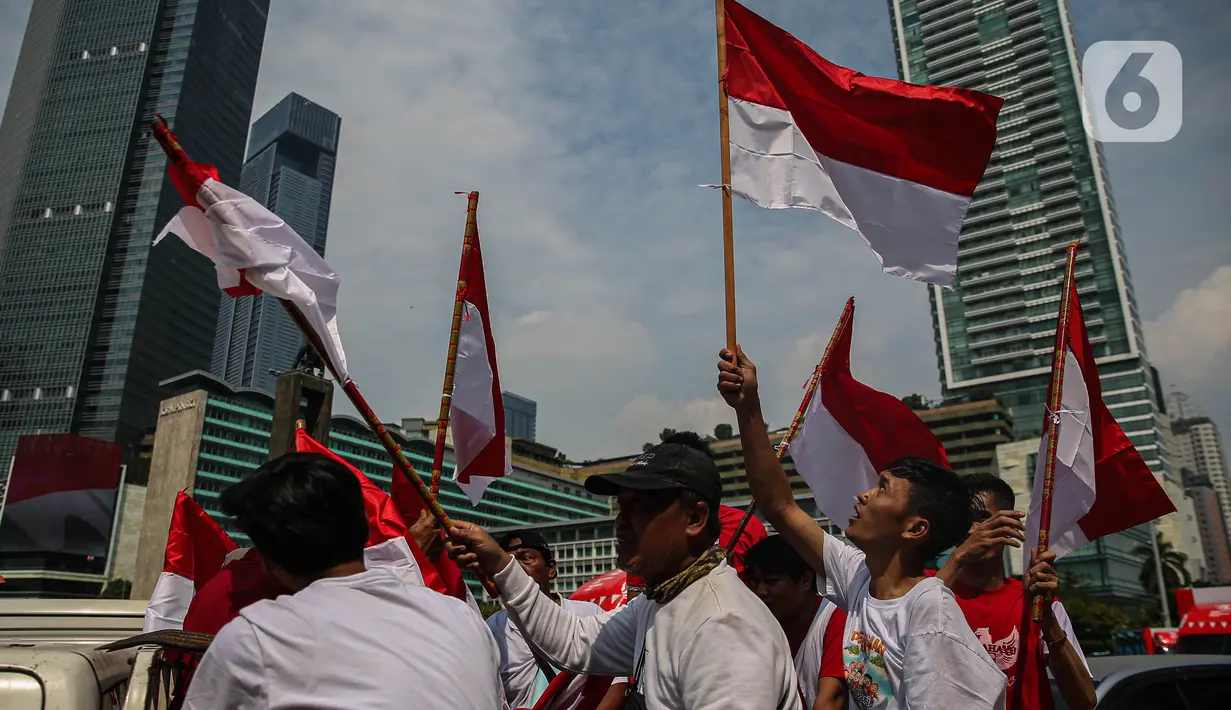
{"x":587,"y":126}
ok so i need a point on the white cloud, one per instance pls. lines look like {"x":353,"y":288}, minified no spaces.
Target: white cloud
{"x":1192,"y":338}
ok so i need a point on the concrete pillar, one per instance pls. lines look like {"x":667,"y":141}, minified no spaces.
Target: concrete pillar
{"x":300,"y":396}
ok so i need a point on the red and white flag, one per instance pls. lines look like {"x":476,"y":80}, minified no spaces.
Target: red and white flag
{"x":254,"y":250}
{"x":196,"y":550}
{"x":441,"y":574}
{"x":476,"y":412}
{"x":1101,"y":484}
{"x":852,"y":433}
{"x":390,"y":545}
{"x":896,"y":162}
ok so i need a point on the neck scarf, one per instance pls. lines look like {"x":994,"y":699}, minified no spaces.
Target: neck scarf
{"x":670,"y":589}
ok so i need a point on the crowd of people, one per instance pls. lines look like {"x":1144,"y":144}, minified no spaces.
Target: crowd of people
{"x":810,"y":622}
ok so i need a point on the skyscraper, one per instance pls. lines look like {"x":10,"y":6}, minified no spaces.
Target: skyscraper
{"x":519,"y":416}
{"x":92,"y":318}
{"x":1199,"y":449}
{"x":1045,"y":186}
{"x":292,"y":153}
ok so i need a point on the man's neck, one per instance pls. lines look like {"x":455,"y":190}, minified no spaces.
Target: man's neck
{"x":345,"y":569}
{"x":674,"y":570}
{"x":893,"y":573}
{"x":986,"y":576}
{"x":797,"y":627}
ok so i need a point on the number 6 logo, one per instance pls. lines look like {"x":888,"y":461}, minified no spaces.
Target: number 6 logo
{"x":1133,"y":92}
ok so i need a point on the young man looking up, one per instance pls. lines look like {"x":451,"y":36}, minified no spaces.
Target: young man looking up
{"x":998,"y":608}
{"x":347,"y":637}
{"x":524,"y":682}
{"x":813,"y":626}
{"x":907,"y":643}
{"x":697,"y":639}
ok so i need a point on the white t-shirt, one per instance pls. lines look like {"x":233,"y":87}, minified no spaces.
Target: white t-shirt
{"x":518,"y":669}
{"x":714,"y":647}
{"x":808,"y":657}
{"x":369,"y":641}
{"x":912,"y":653}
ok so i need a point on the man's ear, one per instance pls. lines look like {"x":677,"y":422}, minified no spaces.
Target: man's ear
{"x":698,"y":519}
{"x":917,"y":528}
{"x":552,"y":571}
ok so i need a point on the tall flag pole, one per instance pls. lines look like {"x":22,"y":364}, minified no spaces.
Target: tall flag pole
{"x":185,"y":173}
{"x":459,"y":302}
{"x":810,"y":390}
{"x":724,"y":131}
{"x":1054,"y":403}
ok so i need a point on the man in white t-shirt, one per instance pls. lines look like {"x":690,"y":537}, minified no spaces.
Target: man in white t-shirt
{"x":524,"y":680}
{"x":813,"y":625}
{"x":349,"y":637}
{"x":907,"y":644}
{"x":697,"y":639}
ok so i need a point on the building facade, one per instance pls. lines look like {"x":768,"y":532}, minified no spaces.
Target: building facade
{"x":292,"y":157}
{"x":1199,"y":449}
{"x":520,"y":415}
{"x":92,"y":318}
{"x":970,"y":432}
{"x":1212,"y":525}
{"x":210,"y":435}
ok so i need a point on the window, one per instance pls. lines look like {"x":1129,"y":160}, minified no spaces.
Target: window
{"x":85,"y":54}
{"x":113,"y":51}
{"x":46,"y":212}
{"x":68,"y":391}
{"x":38,"y":392}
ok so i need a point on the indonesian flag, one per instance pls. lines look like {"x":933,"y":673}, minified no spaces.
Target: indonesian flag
{"x":852,"y":433}
{"x":441,"y":574}
{"x":196,"y":550}
{"x":896,"y":162}
{"x":729,"y":518}
{"x":608,"y":590}
{"x":253,"y":250}
{"x":389,"y":542}
{"x":477,"y":412}
{"x":1101,"y":484}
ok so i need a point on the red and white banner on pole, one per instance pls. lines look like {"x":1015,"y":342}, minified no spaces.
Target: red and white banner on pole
{"x":196,"y":550}
{"x":896,"y":162}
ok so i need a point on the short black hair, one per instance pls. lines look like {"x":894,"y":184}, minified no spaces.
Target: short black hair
{"x":937,"y":495}
{"x":304,"y":512}
{"x":1002,"y":493}
{"x":693,"y":440}
{"x":529,"y":540}
{"x":774,"y":555}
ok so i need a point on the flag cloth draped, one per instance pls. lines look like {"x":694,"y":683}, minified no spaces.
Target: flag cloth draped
{"x":852,"y":432}
{"x":441,"y":574}
{"x":1101,"y":484}
{"x":896,"y":162}
{"x":254,"y":250}
{"x":196,"y":550}
{"x":477,"y":411}
{"x":390,"y":545}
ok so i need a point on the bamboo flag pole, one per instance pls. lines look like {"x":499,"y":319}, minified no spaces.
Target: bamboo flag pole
{"x":1055,"y":401}
{"x":783,"y":445}
{"x":724,"y":132}
{"x":459,"y":303}
{"x":176,"y":154}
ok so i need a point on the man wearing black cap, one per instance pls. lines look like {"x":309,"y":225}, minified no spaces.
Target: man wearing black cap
{"x":698,"y":638}
{"x":524,"y":682}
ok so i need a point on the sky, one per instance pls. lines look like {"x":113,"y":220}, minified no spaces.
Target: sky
{"x":587,"y":127}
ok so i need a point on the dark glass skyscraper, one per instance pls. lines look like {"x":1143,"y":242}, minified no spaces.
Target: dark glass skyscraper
{"x":92,"y":318}
{"x":291,"y":158}
{"x":520,"y":415}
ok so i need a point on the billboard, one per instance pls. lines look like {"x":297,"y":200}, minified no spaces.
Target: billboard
{"x":60,"y":503}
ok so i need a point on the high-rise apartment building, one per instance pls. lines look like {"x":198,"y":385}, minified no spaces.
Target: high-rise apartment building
{"x":1199,"y":449}
{"x":92,"y":318}
{"x":1212,"y":525}
{"x":970,"y":431}
{"x":292,"y":155}
{"x":520,"y":415}
{"x":1046,"y":186}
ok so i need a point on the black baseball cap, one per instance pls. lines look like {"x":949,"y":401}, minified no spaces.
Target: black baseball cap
{"x":664,"y":467}
{"x":526,"y":540}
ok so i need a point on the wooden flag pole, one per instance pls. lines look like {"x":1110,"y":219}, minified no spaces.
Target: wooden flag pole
{"x":1055,"y":401}
{"x":783,"y":445}
{"x":459,"y":303}
{"x":724,"y":132}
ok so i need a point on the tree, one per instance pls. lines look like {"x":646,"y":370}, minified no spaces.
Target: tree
{"x":116,"y":589}
{"x":1094,"y":620}
{"x":917,"y":402}
{"x":1175,"y":574}
{"x":724,"y":431}
{"x":663,"y":435}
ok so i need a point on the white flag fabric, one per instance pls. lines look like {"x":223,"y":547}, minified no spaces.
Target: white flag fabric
{"x":249,"y":243}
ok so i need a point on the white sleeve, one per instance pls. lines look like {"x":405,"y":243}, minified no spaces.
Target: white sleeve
{"x":716,"y":681}
{"x":591,"y":645}
{"x":230,"y":676}
{"x":943,"y":672}
{"x":842,"y":563}
{"x":1062,"y":618}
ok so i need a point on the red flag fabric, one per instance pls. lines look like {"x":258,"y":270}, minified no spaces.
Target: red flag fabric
{"x":852,"y":432}
{"x":196,"y":548}
{"x":441,"y":574}
{"x":754,"y":532}
{"x":1101,"y":484}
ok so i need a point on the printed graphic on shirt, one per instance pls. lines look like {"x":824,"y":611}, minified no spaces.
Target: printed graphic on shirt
{"x":1003,"y":652}
{"x":866,"y":675}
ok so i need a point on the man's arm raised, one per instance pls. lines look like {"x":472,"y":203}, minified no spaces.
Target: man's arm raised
{"x":771,"y":490}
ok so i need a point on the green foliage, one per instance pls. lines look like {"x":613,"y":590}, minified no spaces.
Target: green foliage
{"x":116,"y":589}
{"x":917,"y":402}
{"x":489,"y":607}
{"x":1093,"y":619}
{"x":1175,"y":574}
{"x":724,"y":431}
